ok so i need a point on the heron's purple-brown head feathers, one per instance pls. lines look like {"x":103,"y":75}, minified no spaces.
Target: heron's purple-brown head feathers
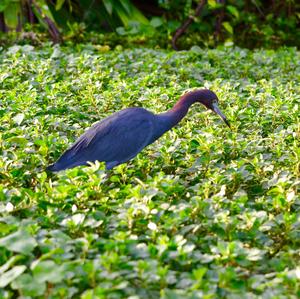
{"x":206,"y":97}
{"x":203,"y":96}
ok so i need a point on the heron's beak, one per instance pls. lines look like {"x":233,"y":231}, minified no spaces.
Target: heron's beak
{"x":216,"y":109}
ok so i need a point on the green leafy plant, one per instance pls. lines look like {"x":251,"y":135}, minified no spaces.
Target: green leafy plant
{"x":249,"y":24}
{"x":246,"y":23}
{"x":64,"y":14}
{"x":204,"y":211}
{"x":99,"y":14}
{"x":15,"y":13}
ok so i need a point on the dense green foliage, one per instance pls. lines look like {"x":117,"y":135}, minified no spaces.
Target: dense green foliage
{"x":250,"y":24}
{"x":269,"y":23}
{"x":204,"y":212}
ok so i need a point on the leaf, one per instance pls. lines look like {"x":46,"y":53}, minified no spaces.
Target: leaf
{"x":212,"y":3}
{"x":45,"y":11}
{"x":11,"y":14}
{"x":18,"y":140}
{"x":127,"y":6}
{"x":121,"y":31}
{"x":76,"y":219}
{"x":127,"y":12}
{"x":18,"y":118}
{"x":122,"y":14}
{"x":88,"y":294}
{"x":152,"y":226}
{"x":156,"y":22}
{"x":233,"y":10}
{"x":9,"y":263}
{"x":255,"y":254}
{"x":20,"y":241}
{"x":199,"y":273}
{"x":29,"y":286}
{"x":59,"y":4}
{"x":48,"y":271}
{"x":228,"y":27}
{"x":109,"y":6}
{"x":7,"y":277}
{"x":14,"y":49}
{"x":4,"y":4}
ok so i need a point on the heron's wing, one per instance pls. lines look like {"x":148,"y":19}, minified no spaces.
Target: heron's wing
{"x":119,"y":138}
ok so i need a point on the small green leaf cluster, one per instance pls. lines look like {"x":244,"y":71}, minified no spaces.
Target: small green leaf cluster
{"x":204,"y":212}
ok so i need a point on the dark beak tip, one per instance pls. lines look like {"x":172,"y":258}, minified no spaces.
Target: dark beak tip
{"x":227,"y":123}
{"x":216,"y":109}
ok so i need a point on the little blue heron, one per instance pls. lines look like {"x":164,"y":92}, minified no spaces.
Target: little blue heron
{"x":121,"y":136}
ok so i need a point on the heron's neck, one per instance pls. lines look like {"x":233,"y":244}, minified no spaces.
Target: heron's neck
{"x":180,"y":109}
{"x":167,"y":120}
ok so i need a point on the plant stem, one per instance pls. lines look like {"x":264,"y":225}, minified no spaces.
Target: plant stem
{"x":181,"y":30}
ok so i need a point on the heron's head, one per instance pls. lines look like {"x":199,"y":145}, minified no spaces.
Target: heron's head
{"x":210,"y":100}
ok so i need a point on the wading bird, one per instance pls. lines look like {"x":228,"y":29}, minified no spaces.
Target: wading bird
{"x":121,"y":136}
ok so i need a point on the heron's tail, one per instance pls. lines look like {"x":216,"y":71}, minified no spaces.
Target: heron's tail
{"x":58,"y":166}
{"x":55,"y":167}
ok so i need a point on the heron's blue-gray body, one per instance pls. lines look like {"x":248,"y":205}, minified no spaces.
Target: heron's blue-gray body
{"x":116,"y":139}
{"x":121,"y":136}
